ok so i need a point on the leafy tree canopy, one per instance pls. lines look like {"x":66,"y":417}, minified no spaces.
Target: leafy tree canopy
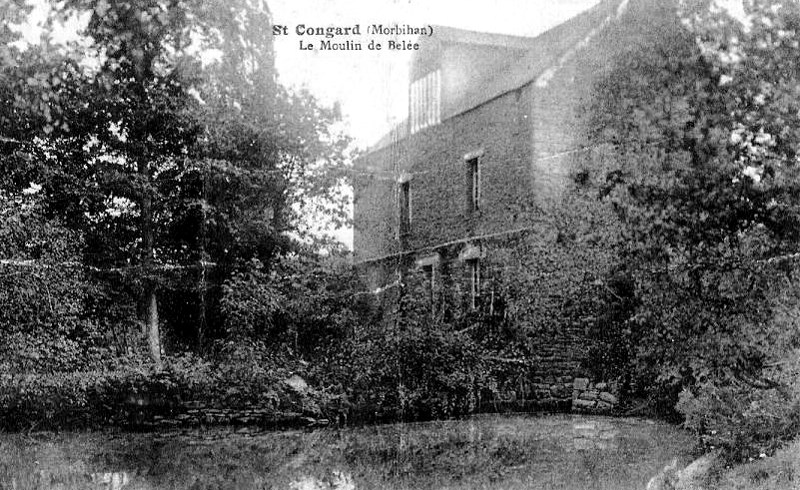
{"x":161,"y":135}
{"x":170,"y":106}
{"x":706,"y":127}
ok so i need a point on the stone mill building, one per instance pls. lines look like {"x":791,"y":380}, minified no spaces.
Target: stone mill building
{"x":481,"y":187}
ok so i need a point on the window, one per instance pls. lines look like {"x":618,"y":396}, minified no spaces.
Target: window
{"x":474,"y":267}
{"x":429,"y":284}
{"x":473,"y":184}
{"x":425,"y":101}
{"x":405,"y":207}
{"x":429,"y":265}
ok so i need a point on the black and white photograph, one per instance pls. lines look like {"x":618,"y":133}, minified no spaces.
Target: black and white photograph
{"x":398,"y":244}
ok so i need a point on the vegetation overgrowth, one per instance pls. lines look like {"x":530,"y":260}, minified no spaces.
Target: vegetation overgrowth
{"x":153,"y":249}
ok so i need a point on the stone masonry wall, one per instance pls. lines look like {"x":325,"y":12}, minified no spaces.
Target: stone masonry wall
{"x":432,"y":161}
{"x":521,"y":238}
{"x":537,"y":229}
{"x":590,"y":397}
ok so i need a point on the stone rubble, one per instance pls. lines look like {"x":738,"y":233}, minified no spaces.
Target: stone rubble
{"x":595,"y":398}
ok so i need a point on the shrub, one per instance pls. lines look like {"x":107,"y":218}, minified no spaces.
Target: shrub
{"x":77,"y":399}
{"x":413,"y":366}
{"x":747,"y":419}
{"x":748,"y":413}
{"x":416,"y":372}
{"x":306,"y":303}
{"x":240,"y":374}
{"x":132,"y":395}
{"x":741,"y":420}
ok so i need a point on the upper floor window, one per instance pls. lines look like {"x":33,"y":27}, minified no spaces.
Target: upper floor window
{"x":473,"y":184}
{"x":405,"y":207}
{"x":425,"y":101}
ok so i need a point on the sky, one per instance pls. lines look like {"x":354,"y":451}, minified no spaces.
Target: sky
{"x":369,"y":86}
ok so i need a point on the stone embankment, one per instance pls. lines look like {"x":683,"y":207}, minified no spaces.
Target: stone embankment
{"x":590,"y":397}
{"x":551,"y":393}
{"x":299,"y":410}
{"x":197,"y":415}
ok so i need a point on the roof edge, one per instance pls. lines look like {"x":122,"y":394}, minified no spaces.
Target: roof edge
{"x":528,"y":68}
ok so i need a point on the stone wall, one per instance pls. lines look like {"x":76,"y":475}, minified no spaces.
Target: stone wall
{"x":432,"y":162}
{"x":588,"y":397}
{"x":543,"y":239}
{"x":541,"y":273}
{"x":200,"y":415}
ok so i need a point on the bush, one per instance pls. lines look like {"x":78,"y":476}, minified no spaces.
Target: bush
{"x":412,"y":367}
{"x":28,"y":401}
{"x":416,"y":372}
{"x":777,"y":472}
{"x":236,"y":376}
{"x":753,"y":410}
{"x":239,"y":374}
{"x":742,"y":420}
{"x":747,"y":419}
{"x":80,"y":399}
{"x":302,"y":302}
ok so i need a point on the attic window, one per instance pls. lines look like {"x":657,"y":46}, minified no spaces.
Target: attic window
{"x":425,"y":101}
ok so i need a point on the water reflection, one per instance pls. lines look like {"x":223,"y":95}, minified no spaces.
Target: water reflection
{"x":498,"y":452}
{"x":339,"y":480}
{"x":112,"y":481}
{"x":594,"y":435}
{"x":67,"y":478}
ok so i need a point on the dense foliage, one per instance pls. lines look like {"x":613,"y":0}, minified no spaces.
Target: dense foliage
{"x":153,"y":178}
{"x":152,"y":171}
{"x":43,"y":302}
{"x":162,"y":147}
{"x":705,"y":127}
{"x":416,"y":365}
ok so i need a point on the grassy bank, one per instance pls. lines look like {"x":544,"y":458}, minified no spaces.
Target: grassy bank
{"x":780,"y":471}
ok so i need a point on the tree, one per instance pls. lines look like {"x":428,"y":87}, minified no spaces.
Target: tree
{"x":166,"y":139}
{"x":706,"y":127}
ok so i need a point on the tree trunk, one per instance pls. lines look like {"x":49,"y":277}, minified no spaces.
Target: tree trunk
{"x":152,"y":331}
{"x":201,"y":323}
{"x":150,"y":324}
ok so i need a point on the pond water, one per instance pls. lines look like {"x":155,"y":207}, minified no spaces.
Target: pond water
{"x":485,"y":452}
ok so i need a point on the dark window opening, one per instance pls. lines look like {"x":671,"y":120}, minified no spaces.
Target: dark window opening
{"x":473,"y":185}
{"x":430,"y":285}
{"x":474,"y":266}
{"x":405,"y":207}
